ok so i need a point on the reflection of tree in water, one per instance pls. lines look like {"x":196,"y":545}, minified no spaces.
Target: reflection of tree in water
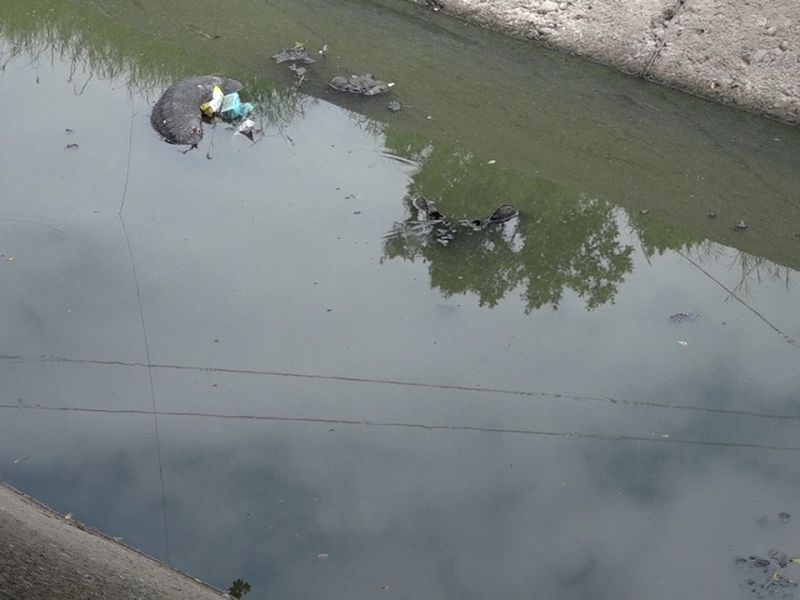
{"x":757,"y":271}
{"x":752,"y":271}
{"x":656,"y":237}
{"x":561,"y":240}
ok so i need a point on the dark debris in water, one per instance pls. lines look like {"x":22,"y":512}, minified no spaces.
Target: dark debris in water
{"x":427,"y":221}
{"x":503,"y":213}
{"x":766,"y":578}
{"x":779,"y":557}
{"x":297,"y":54}
{"x":756,"y":563}
{"x":683,"y":316}
{"x":426,"y":210}
{"x":363,"y":85}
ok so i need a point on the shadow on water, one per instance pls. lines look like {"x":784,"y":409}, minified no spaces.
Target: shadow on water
{"x":326,"y":423}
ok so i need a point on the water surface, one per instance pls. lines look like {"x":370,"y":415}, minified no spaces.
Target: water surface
{"x":249,"y":362}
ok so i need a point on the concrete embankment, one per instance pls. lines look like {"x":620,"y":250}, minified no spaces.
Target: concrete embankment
{"x":745,"y":54}
{"x":44,"y":555}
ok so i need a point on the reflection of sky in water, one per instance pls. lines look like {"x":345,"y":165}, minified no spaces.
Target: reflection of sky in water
{"x":315,"y":400}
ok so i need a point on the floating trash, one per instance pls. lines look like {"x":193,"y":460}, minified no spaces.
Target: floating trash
{"x":177,"y":115}
{"x":233,"y":108}
{"x":363,"y":85}
{"x":212,"y":107}
{"x":247,"y":128}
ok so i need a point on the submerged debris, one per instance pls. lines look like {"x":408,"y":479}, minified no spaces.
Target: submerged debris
{"x":683,"y":316}
{"x":363,"y":85}
{"x":475,"y":224}
{"x":299,"y":71}
{"x":426,"y":210}
{"x":298,"y":58}
{"x":766,"y":579}
{"x":503,"y":213}
{"x":428,"y":224}
{"x":296,"y":54}
{"x":779,"y":557}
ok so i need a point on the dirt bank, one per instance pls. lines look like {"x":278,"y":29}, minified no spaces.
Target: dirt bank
{"x":43,"y":555}
{"x":745,"y":54}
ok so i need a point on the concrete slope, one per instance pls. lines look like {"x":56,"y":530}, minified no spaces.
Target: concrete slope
{"x":44,"y":555}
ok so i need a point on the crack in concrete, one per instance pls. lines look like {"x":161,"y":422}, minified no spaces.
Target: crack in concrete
{"x":669,"y":15}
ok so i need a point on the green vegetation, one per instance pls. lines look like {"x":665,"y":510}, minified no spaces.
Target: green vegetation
{"x":239,"y":588}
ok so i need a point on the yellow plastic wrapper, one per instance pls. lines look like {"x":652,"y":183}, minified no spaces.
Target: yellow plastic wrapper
{"x":212,"y":107}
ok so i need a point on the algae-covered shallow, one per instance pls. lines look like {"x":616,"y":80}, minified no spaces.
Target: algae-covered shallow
{"x":251,"y":361}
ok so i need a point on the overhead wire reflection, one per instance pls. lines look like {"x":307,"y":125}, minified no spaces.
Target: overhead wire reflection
{"x":388,"y":382}
{"x":393,"y":382}
{"x":398,"y":424}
